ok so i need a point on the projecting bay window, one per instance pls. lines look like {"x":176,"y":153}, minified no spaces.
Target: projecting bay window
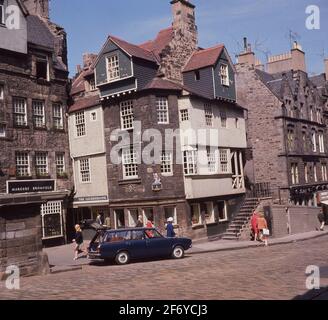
{"x":167,"y":163}
{"x":52,"y":220}
{"x":224,"y":163}
{"x":80,"y":124}
{"x":127,"y":116}
{"x":58,"y":120}
{"x":294,"y":173}
{"x":22,"y":164}
{"x":20,"y":113}
{"x":162,"y":107}
{"x":208,"y":115}
{"x":130,"y":163}
{"x":190,"y":162}
{"x":2,"y":12}
{"x":39,"y":119}
{"x":41,"y":164}
{"x":84,"y":166}
{"x":113,"y":68}
{"x":224,"y":74}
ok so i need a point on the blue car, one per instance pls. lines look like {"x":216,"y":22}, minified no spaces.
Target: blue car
{"x":124,"y":245}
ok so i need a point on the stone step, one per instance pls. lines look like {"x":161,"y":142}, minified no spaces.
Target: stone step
{"x":229,"y":238}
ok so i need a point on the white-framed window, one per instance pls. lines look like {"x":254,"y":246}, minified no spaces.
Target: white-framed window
{"x":315,"y":173}
{"x":2,"y":12}
{"x":39,"y":119}
{"x":2,"y":130}
{"x":22,"y":160}
{"x":41,"y":163}
{"x":162,"y":107}
{"x":58,"y":117}
{"x":130,"y":165}
{"x":127,"y":116}
{"x":294,"y":173}
{"x":195,"y":214}
{"x":52,"y":221}
{"x":306,"y":172}
{"x":222,"y":211}
{"x":171,"y":212}
{"x":113,"y":68}
{"x":207,"y":212}
{"x":224,"y":74}
{"x":212,"y":160}
{"x":223,"y":116}
{"x":184,"y":115}
{"x":80,"y":124}
{"x":93,"y":116}
{"x":166,"y":163}
{"x":224,"y":160}
{"x":20,"y":114}
{"x":324,"y":171}
{"x":92,"y":84}
{"x":85,"y":175}
{"x":314,"y":141}
{"x":190,"y":162}
{"x":321,"y":143}
{"x":208,"y":115}
{"x":60,"y":163}
{"x":2,"y":91}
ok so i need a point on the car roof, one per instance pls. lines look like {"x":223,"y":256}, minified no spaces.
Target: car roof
{"x":130,"y":229}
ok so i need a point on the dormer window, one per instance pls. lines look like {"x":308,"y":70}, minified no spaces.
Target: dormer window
{"x":197,"y":75}
{"x":224,"y":73}
{"x":42,"y":67}
{"x":113,"y":68}
{"x":2,"y":12}
{"x":92,"y":84}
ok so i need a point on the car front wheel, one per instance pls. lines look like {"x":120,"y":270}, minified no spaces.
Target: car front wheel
{"x":122,"y":258}
{"x":178,"y":253}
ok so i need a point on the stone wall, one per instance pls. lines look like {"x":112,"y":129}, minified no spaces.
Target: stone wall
{"x":20,"y":240}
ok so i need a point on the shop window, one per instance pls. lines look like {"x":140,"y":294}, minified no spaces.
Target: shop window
{"x":119,"y":219}
{"x":222,"y":210}
{"x":171,"y":212}
{"x":52,"y":222}
{"x":195,"y":214}
{"x":207,"y":212}
{"x":133,"y":217}
{"x":148,"y":215}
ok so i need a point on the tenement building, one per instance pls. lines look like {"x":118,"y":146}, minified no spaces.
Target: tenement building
{"x":287,"y":126}
{"x":34,"y":158}
{"x":174,"y":135}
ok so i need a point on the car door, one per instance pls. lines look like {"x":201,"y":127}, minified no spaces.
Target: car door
{"x":137,"y":245}
{"x":157,"y":245}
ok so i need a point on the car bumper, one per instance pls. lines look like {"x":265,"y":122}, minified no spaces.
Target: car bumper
{"x":94,"y":256}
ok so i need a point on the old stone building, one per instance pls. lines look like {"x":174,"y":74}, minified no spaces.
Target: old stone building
{"x":167,"y":85}
{"x":34,"y":159}
{"x":286,"y":126}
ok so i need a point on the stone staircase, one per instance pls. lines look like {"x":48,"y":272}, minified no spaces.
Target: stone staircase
{"x":241,"y":221}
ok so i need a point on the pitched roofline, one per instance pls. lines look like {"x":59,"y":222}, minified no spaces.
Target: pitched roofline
{"x":23,"y":8}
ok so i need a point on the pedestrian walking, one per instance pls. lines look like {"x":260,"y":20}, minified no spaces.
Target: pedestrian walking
{"x":139,"y":222}
{"x":322,"y":220}
{"x":78,"y":248}
{"x":170,"y":228}
{"x":263,"y":228}
{"x":254,"y":225}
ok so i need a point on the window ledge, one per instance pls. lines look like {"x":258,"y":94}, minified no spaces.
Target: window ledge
{"x":39,"y":177}
{"x":24,"y":178}
{"x":210,"y":176}
{"x":58,"y":130}
{"x":40,"y":128}
{"x":16,"y":126}
{"x":129,"y":181}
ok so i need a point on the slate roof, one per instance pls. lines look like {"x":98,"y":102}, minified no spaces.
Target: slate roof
{"x":134,"y":50}
{"x":38,"y":33}
{"x":319,"y":81}
{"x":204,"y":58}
{"x":85,"y":103}
{"x":160,"y":83}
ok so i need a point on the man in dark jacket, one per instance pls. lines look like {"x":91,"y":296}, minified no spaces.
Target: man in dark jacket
{"x":322,"y":219}
{"x":170,"y":228}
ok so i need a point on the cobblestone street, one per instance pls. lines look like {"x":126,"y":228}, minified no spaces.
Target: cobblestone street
{"x":258,"y":273}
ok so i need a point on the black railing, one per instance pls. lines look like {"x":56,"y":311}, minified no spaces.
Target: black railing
{"x":260,"y":190}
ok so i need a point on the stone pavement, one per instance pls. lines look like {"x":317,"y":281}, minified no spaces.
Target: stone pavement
{"x":61,"y":258}
{"x":274,"y":273}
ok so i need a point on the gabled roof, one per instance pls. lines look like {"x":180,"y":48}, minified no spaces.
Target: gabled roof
{"x":164,"y":37}
{"x":204,"y":58}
